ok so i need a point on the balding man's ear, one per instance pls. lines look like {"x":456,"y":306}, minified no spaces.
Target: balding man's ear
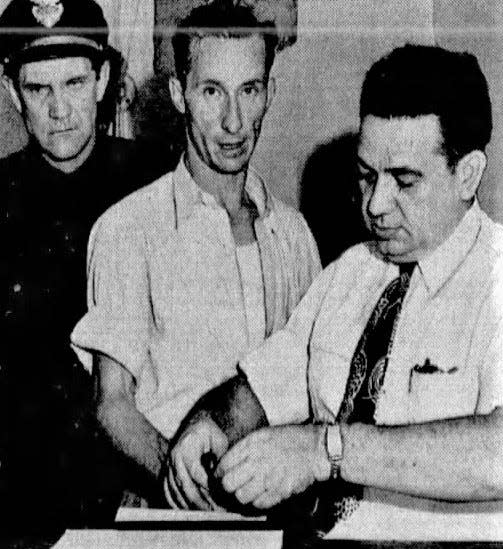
{"x":103,"y":78}
{"x":9,"y":85}
{"x":271,"y":90}
{"x":469,"y":172}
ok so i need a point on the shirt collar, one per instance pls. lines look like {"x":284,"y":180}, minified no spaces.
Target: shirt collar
{"x":440,"y":265}
{"x":188,"y":194}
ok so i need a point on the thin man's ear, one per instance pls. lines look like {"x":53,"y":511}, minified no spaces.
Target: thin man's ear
{"x":271,"y":91}
{"x":469,"y":172}
{"x":176,"y":92}
{"x":9,"y":85}
{"x":103,"y":78}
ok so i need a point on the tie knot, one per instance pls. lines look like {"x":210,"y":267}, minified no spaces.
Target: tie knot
{"x":407,"y":268}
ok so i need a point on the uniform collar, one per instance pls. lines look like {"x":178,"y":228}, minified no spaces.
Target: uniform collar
{"x":440,"y":265}
{"x":188,"y":194}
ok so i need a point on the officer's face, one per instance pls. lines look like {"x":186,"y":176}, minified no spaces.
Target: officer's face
{"x":224,"y":101}
{"x":411,"y":198}
{"x":58,"y":98}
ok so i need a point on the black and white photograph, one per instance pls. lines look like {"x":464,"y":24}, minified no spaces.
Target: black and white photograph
{"x":252,"y":274}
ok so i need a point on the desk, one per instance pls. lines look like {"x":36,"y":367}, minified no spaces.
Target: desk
{"x":375,"y":524}
{"x":159,"y":529}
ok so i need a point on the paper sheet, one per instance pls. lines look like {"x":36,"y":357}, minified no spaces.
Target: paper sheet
{"x":116,"y":539}
{"x":126,"y":514}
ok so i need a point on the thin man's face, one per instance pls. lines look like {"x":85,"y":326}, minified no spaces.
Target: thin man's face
{"x":226,"y":97}
{"x":59,"y":99}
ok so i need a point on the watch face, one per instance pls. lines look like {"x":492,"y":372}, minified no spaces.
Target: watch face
{"x":334,"y":442}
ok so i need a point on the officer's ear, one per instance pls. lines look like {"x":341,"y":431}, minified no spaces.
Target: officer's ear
{"x":469,"y":172}
{"x":176,"y":92}
{"x":103,"y":78}
{"x":11,"y":87}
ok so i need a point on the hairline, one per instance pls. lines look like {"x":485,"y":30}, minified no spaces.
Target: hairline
{"x":225,"y":34}
{"x":452,"y":158}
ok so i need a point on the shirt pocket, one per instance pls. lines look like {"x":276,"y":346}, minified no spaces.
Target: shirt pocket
{"x":442,"y":394}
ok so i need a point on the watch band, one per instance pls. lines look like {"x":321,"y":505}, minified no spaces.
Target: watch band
{"x":333,"y":447}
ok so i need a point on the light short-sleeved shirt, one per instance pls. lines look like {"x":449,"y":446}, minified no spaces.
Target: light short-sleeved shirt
{"x":446,"y":359}
{"x":165,"y":294}
{"x":250,"y":270}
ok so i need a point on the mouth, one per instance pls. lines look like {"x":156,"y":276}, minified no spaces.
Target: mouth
{"x":63,"y":131}
{"x":233,"y":148}
{"x":385,"y":233}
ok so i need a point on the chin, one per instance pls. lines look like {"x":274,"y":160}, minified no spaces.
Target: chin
{"x":64,"y":153}
{"x":230,"y":168}
{"x":394,"y":254}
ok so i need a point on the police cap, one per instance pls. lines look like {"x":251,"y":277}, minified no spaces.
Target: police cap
{"x":35,"y":30}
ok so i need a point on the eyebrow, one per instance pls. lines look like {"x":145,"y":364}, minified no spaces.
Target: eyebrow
{"x":254,"y":81}
{"x":209,"y":81}
{"x":212,"y":82}
{"x":395,"y":171}
{"x":79,"y":76}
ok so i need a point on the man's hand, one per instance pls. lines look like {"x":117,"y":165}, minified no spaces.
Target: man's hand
{"x":187,"y":478}
{"x":274,"y":463}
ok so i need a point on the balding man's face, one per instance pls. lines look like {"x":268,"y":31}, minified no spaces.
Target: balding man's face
{"x":411,"y":202}
{"x":59,"y":100}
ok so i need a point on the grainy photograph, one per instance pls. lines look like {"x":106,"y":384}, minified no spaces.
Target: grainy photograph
{"x":252,"y":274}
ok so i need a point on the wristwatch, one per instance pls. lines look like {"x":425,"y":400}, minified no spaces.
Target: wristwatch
{"x":333,"y":447}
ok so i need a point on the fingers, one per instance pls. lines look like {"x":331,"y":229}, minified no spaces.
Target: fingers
{"x":239,"y":453}
{"x":176,"y":496}
{"x":238,"y":476}
{"x":250,"y":491}
{"x":189,"y":485}
{"x":188,"y":481}
{"x":267,"y":500}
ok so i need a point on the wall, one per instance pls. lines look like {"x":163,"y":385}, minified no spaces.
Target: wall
{"x":319,"y":78}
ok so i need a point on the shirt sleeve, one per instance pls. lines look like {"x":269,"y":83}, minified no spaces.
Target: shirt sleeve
{"x":491,"y":372}
{"x":118,"y":321}
{"x":277,"y":370}
{"x":307,"y":256}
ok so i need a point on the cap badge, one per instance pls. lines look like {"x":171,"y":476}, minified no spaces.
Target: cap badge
{"x":47,"y":12}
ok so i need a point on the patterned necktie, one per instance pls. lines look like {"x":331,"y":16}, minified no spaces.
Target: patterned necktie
{"x":366,"y":376}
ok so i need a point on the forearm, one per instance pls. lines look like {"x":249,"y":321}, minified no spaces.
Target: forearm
{"x":457,"y":460}
{"x":141,"y":449}
{"x":234,"y":408}
{"x":133,"y":436}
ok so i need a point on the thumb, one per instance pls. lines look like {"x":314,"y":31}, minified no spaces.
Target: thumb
{"x":219,"y":443}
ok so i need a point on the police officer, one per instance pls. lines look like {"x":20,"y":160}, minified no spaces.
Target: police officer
{"x":56,"y":69}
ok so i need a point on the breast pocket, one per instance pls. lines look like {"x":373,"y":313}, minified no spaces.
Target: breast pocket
{"x":442,"y":394}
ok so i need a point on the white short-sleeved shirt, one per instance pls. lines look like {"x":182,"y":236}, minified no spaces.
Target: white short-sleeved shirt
{"x":451,"y":318}
{"x":165,"y":294}
{"x":250,"y":270}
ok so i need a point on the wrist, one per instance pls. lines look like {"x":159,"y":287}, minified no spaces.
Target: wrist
{"x":333,"y":448}
{"x":322,"y":463}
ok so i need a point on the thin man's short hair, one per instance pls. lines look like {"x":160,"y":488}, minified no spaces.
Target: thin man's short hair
{"x":416,"y":80}
{"x":221,"y":19}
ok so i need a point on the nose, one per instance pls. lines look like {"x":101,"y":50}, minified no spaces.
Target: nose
{"x":383,"y":196}
{"x":232,"y":120}
{"x":59,"y":107}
